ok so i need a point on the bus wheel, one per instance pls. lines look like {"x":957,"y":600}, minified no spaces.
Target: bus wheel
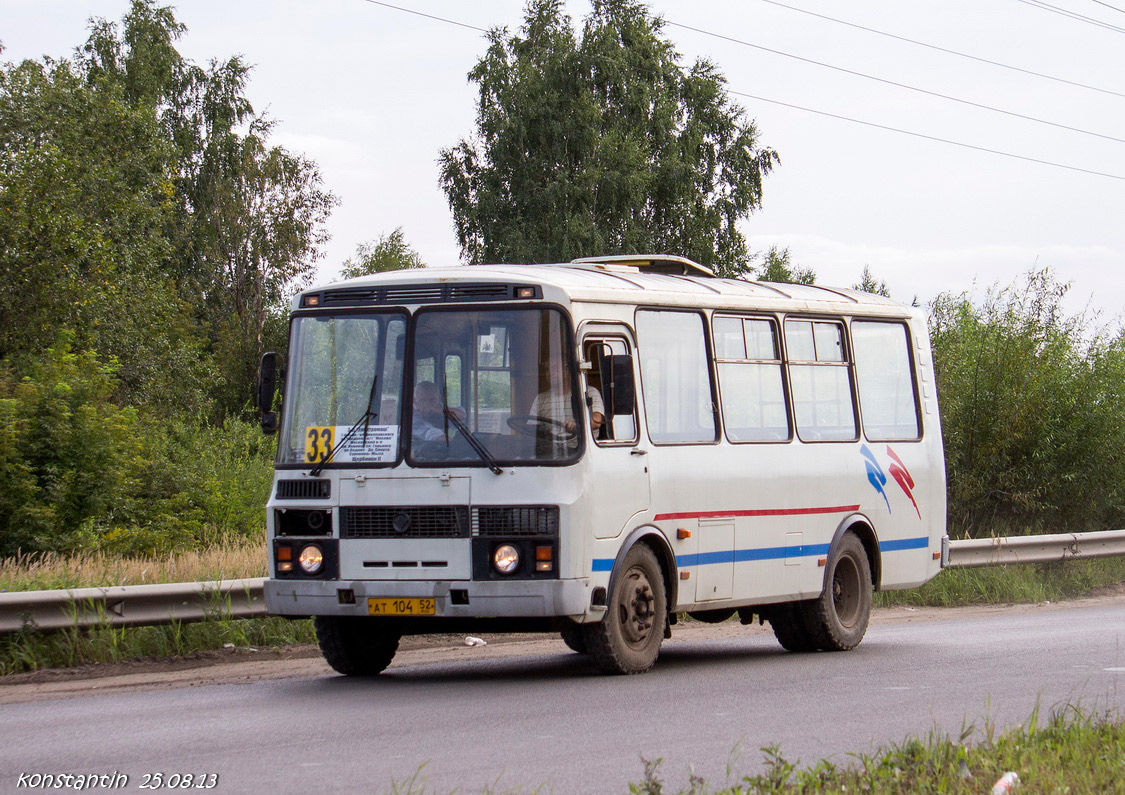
{"x":575,"y":638}
{"x":838,"y":618}
{"x":627,"y":640}
{"x":355,"y":645}
{"x":788,"y":624}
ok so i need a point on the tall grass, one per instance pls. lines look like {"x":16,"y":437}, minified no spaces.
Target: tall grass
{"x":240,"y":558}
{"x":1073,"y":751}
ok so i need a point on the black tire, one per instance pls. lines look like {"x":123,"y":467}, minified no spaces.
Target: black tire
{"x":574,"y":638}
{"x":355,"y":645}
{"x":837,"y":620}
{"x":627,"y":640}
{"x":713,"y":616}
{"x":789,"y":627}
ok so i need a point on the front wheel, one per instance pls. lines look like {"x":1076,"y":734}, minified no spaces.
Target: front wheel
{"x":355,"y":645}
{"x":627,"y":640}
{"x":837,"y":619}
{"x":574,"y":638}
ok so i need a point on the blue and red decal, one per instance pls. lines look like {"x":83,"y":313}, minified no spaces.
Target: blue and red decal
{"x":878,"y":478}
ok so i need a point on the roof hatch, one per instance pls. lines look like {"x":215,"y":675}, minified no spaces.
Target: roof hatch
{"x":651,"y":263}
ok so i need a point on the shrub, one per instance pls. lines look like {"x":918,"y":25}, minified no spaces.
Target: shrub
{"x":1032,"y":419}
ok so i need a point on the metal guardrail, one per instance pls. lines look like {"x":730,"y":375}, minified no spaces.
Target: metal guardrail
{"x":140,"y":605}
{"x":973,"y":552}
{"x":131,"y":605}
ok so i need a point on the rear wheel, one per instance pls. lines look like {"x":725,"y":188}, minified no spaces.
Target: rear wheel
{"x":627,"y":640}
{"x":789,"y":627}
{"x":355,"y":645}
{"x":837,"y":620}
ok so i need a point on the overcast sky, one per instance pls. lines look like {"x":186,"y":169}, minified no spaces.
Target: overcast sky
{"x":372,"y":93}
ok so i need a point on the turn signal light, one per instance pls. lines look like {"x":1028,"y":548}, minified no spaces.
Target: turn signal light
{"x":285,"y":553}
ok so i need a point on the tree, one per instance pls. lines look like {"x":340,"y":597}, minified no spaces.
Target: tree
{"x":602,"y":144}
{"x":869,"y":284}
{"x":248,"y":218}
{"x":390,"y":252}
{"x":777,"y":268}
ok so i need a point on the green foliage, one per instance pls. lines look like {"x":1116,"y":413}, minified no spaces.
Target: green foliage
{"x":1033,"y":421}
{"x":66,"y":452}
{"x":869,"y":284}
{"x":778,"y":268}
{"x":390,"y":252}
{"x":77,"y":471}
{"x":601,"y":144}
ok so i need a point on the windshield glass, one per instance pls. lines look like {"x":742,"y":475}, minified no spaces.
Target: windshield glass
{"x":505,"y":376}
{"x":344,"y":370}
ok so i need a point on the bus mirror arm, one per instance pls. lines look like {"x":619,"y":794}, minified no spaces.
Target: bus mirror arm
{"x":617,"y":378}
{"x":267,"y":385}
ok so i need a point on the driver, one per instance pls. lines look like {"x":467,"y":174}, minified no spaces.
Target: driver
{"x":556,"y":405}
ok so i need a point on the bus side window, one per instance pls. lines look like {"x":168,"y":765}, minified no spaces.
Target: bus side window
{"x":823,"y":403}
{"x":885,"y":377}
{"x":621,"y":421}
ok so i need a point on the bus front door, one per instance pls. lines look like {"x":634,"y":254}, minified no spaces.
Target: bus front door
{"x":618,"y":460}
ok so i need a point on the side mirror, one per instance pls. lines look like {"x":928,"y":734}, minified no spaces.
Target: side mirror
{"x":267,"y":385}
{"x":617,"y":381}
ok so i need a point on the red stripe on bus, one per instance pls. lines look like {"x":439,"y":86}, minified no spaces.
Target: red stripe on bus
{"x":764,"y":512}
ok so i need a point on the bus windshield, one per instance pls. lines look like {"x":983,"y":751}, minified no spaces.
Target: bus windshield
{"x":501,"y":379}
{"x":344,"y":370}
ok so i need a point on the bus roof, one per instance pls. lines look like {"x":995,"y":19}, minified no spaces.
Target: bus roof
{"x":666,"y":281}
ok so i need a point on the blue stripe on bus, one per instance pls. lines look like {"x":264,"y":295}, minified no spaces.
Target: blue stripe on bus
{"x":768,"y":553}
{"x":904,"y":543}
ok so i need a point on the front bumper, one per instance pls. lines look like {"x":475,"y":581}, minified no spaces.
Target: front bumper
{"x":503,"y":599}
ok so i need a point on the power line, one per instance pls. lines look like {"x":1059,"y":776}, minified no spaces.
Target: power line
{"x":1071,"y":14}
{"x":820,"y":112}
{"x":427,"y":16}
{"x":1107,"y":5}
{"x":927,"y":137}
{"x":896,"y":84}
{"x":945,"y":50}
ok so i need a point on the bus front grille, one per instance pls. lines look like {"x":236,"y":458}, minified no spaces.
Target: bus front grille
{"x":516,"y":520}
{"x":417,"y":521}
{"x":304,"y":489}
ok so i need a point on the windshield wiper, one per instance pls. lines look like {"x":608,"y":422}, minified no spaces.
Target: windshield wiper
{"x":474,"y":442}
{"x":365,"y":420}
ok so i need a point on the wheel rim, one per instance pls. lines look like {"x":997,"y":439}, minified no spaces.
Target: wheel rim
{"x":636,"y":607}
{"x":846,"y":591}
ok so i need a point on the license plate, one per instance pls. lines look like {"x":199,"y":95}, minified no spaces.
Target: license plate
{"x":400,"y":607}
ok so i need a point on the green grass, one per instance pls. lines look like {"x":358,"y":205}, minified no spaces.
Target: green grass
{"x":31,"y":651}
{"x":1043,"y":582}
{"x":1072,"y":752}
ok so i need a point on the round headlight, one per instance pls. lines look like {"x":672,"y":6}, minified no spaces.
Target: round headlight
{"x":506,"y":558}
{"x":311,"y":559}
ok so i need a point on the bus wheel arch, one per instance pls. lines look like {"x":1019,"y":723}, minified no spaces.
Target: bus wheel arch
{"x":837,"y":620}
{"x":627,"y":640}
{"x":654,"y":539}
{"x":858,"y":525}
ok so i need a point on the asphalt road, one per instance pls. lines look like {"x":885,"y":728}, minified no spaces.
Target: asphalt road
{"x":547,"y":721}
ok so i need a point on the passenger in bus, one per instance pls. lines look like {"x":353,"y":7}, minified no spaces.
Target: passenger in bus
{"x":429,"y":419}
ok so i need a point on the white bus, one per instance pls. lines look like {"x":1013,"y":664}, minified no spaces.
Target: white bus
{"x":595,"y":448}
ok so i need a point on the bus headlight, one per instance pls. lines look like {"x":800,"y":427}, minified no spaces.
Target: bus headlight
{"x":506,"y":558}
{"x":311,"y":559}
